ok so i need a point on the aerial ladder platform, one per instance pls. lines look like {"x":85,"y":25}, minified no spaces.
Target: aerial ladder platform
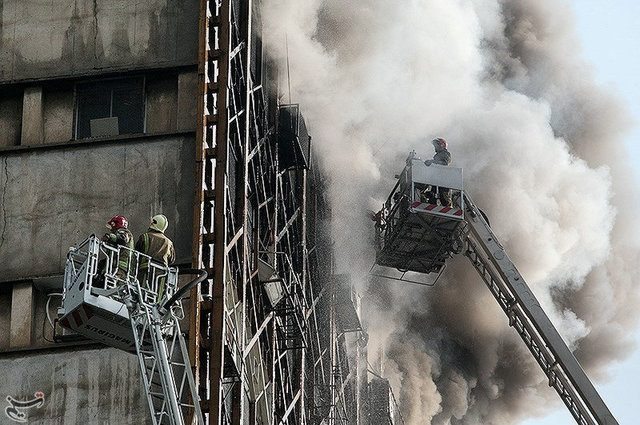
{"x":416,"y":233}
{"x":122,"y":298}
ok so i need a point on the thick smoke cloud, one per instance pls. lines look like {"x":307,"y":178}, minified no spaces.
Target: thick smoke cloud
{"x":540,"y":144}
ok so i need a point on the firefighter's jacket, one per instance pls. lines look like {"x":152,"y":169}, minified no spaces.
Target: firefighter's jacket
{"x":157,"y":246}
{"x":121,"y":237}
{"x":442,"y":157}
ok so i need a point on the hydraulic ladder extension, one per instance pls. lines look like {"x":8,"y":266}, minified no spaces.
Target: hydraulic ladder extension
{"x":164,"y":364}
{"x":111,"y":296}
{"x":525,"y":314}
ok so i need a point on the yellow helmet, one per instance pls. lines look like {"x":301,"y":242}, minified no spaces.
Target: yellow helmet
{"x":159,"y":222}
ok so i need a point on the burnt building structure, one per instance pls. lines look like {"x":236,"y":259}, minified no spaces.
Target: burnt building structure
{"x":172,"y":107}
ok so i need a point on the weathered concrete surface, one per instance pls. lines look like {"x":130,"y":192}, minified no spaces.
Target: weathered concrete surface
{"x":162,"y":94}
{"x":100,"y":386}
{"x":187,"y":106}
{"x":32,"y":117}
{"x":21,"y":315}
{"x":58,"y":115}
{"x":72,"y":37}
{"x":52,"y":199}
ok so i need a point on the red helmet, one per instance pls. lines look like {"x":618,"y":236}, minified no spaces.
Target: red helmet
{"x":118,"y":222}
{"x":439,"y":143}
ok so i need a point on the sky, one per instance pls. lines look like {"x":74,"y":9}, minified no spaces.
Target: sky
{"x":609,"y":33}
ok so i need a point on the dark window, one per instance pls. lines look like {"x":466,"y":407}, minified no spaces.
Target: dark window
{"x":110,"y":107}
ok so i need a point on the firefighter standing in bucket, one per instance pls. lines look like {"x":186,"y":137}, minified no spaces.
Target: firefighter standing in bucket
{"x":119,"y":233}
{"x":159,"y":247}
{"x":118,"y":236}
{"x":441,"y":157}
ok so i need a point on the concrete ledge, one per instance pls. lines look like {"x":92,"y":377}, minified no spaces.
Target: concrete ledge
{"x":103,"y":73}
{"x":8,"y":353}
{"x":12,"y":150}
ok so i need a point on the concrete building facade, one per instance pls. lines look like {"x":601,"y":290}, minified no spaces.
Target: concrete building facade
{"x":97,"y":118}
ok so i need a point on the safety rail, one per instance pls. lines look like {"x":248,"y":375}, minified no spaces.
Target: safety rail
{"x":417,"y":229}
{"x":394,"y":208}
{"x":413,"y":193}
{"x":99,"y":267}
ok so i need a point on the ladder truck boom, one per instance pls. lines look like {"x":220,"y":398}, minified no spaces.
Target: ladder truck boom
{"x":526,"y":315}
{"x":416,"y":234}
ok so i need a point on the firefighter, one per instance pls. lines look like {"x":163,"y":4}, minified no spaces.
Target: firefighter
{"x":119,"y":233}
{"x":441,"y":157}
{"x":158,"y":246}
{"x":118,"y":236}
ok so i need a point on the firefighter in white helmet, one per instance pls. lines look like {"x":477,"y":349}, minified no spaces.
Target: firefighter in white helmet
{"x":158,"y":246}
{"x":441,"y":157}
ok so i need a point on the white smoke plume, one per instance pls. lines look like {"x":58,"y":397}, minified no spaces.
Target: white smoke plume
{"x":540,"y":144}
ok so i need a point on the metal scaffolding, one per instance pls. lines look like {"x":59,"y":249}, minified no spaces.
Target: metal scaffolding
{"x":263,"y":334}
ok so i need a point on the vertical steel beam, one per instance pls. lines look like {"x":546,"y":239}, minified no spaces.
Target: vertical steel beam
{"x":216,"y":334}
{"x":198,"y":198}
{"x":230,"y":53}
{"x":246,"y":12}
{"x":206,"y":345}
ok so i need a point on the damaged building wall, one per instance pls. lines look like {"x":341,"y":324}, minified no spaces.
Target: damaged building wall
{"x":78,"y":37}
{"x":95,"y":386}
{"x":52,"y":199}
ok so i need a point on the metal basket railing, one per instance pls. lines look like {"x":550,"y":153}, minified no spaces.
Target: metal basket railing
{"x":105,"y":269}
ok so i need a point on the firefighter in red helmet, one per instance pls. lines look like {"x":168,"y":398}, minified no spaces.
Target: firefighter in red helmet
{"x":119,"y":235}
{"x":441,"y":157}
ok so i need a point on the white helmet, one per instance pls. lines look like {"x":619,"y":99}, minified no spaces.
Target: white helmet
{"x":159,"y":222}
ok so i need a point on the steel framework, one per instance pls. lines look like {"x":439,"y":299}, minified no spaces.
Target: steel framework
{"x":263,"y":334}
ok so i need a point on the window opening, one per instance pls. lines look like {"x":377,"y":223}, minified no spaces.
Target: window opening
{"x":110,"y":108}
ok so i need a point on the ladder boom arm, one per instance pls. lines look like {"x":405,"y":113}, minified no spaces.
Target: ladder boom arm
{"x":527,"y":316}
